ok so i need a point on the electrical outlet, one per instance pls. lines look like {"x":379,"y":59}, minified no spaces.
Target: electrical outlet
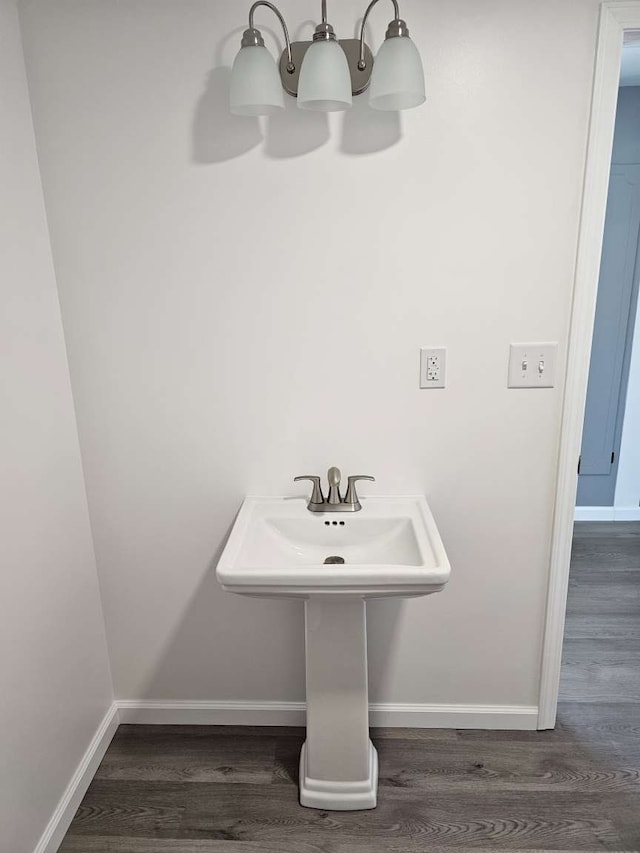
{"x":433,"y":363}
{"x":532,"y":365}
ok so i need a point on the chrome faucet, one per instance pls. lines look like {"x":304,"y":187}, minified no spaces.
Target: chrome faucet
{"x":334,"y":501}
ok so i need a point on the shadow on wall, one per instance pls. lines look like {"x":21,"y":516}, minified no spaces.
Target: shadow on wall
{"x":181,"y":663}
{"x":384,"y":620}
{"x":365,"y":131}
{"x":294,"y":132}
{"x":241,"y":626}
{"x":218,"y":135}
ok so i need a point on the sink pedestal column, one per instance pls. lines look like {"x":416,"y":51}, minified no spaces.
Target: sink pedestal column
{"x":338,"y":763}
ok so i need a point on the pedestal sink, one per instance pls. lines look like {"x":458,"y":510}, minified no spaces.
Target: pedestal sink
{"x":334,"y":564}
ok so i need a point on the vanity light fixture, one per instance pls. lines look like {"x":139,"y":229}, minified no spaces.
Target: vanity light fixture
{"x":325,"y":73}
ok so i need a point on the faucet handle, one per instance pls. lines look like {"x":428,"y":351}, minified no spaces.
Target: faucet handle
{"x":352,"y":496}
{"x":316,"y":496}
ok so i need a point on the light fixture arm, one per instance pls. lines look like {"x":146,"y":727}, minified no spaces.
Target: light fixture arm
{"x":397,"y":28}
{"x":253,"y":39}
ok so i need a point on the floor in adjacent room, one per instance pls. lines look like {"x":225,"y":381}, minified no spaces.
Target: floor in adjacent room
{"x":184,"y":789}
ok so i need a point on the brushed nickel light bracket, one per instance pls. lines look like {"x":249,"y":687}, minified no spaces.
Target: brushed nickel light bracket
{"x":358,"y":53}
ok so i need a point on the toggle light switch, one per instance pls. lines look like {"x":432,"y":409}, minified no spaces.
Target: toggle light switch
{"x":532,"y":365}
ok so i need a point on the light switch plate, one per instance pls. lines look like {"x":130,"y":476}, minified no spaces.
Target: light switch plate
{"x":532,"y":365}
{"x":433,"y":365}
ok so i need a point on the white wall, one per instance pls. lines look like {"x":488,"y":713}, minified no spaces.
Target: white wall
{"x":55,"y":684}
{"x":244,"y":302}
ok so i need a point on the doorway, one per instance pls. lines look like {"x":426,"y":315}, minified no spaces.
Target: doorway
{"x":601,"y":660}
{"x":617,"y":20}
{"x":614,"y":377}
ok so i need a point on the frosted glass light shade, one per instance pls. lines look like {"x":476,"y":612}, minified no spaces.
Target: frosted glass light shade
{"x":397,"y":78}
{"x":256,"y":89}
{"x":325,"y":81}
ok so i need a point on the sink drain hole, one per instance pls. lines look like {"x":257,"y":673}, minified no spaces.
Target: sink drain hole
{"x":332,"y":560}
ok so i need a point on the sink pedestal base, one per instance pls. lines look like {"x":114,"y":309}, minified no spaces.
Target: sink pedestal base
{"x":336,"y":795}
{"x":338,"y":763}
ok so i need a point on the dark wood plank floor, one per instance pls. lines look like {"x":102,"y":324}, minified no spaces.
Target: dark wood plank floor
{"x":197,"y":789}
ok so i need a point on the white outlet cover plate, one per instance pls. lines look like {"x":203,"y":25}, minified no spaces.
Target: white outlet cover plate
{"x":440,"y":354}
{"x":532,"y":365}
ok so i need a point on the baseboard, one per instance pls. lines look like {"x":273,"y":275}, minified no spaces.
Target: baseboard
{"x":520,"y":717}
{"x":626,"y":513}
{"x":225,"y":713}
{"x":55,"y":831}
{"x":219,"y":713}
{"x":607,"y":513}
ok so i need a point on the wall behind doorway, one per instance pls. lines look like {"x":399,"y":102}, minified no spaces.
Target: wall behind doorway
{"x":627,"y":495}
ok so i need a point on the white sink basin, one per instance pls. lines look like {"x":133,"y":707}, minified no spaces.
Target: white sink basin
{"x":390,"y":548}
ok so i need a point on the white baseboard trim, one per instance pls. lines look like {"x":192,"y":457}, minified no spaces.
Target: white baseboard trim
{"x":224,"y":713}
{"x":626,"y":513}
{"x":521,"y":717}
{"x":219,"y":713}
{"x":607,"y":513}
{"x":55,"y":830}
